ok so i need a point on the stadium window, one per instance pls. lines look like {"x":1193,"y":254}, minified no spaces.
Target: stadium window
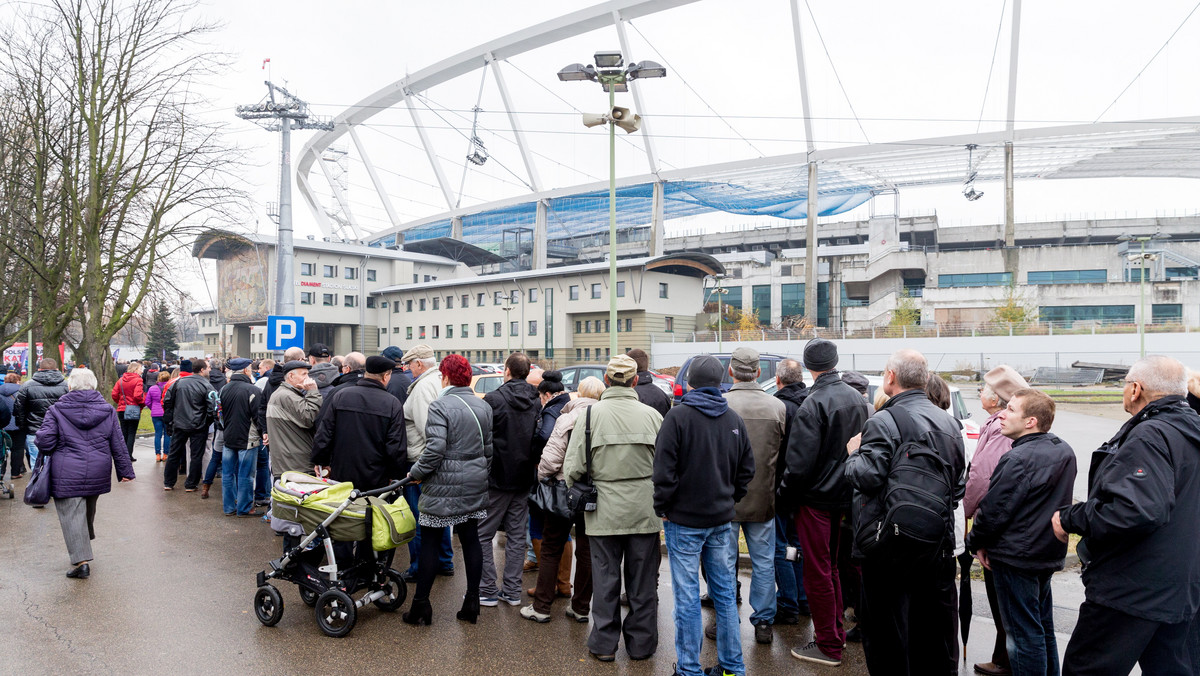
{"x":513,"y":328}
{"x":436,"y":302}
{"x":533,"y":295}
{"x":587,"y":326}
{"x":306,"y":297}
{"x":975,"y":279}
{"x":578,"y":354}
{"x":595,"y":291}
{"x":662,"y":289}
{"x":330,"y":271}
{"x":350,"y":273}
{"x":573,"y":292}
{"x":449,"y":302}
{"x":428,"y":278}
{"x":370,"y":301}
{"x":466,"y":301}
{"x":496,"y":329}
{"x":514,"y":297}
{"x":449,"y":330}
{"x":628,"y":325}
{"x":408,"y":305}
{"x":465,"y":331}
{"x":308,"y":269}
{"x":669,"y":324}
{"x":421,"y":304}
{"x":533,"y":327}
{"x":587,"y":353}
{"x":436,"y":331}
{"x":620,"y":289}
{"x":350,"y":301}
{"x":421,"y":332}
{"x":370,"y":275}
{"x":578,"y":326}
{"x":479,"y":330}
{"x":498,"y":298}
{"x":329,"y":299}
{"x":407,"y":333}
{"x":479,"y":300}
{"x":1068,"y":277}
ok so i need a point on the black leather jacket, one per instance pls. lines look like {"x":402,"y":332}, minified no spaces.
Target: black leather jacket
{"x":829,"y":416}
{"x":190,"y":404}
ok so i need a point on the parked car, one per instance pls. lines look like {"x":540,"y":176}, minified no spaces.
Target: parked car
{"x":766,"y":362}
{"x":482,"y":384}
{"x":573,"y":375}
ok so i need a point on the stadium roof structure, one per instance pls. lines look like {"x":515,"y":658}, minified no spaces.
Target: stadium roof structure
{"x":767,"y":186}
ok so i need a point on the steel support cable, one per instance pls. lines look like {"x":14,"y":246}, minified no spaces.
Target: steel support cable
{"x":462,"y":183}
{"x":425,"y":101}
{"x":835,"y":71}
{"x":991,"y":67}
{"x":378,"y":127}
{"x":1148,"y":63}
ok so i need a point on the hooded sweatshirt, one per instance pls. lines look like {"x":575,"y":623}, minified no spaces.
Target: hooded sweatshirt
{"x":82,"y":434}
{"x":323,"y":374}
{"x":703,"y":462}
{"x":516,"y":413}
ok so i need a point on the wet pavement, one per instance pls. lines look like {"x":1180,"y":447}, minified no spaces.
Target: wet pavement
{"x":173,"y":580}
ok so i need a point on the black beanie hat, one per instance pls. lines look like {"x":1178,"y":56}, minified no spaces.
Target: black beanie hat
{"x":705,"y":371}
{"x":820,"y":355}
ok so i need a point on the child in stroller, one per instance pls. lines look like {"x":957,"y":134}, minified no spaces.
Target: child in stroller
{"x":333,"y":516}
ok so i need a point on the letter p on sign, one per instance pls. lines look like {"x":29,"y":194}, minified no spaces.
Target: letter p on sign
{"x":284,"y":332}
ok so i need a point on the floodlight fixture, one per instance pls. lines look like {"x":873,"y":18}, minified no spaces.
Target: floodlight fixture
{"x":619,"y":86}
{"x":609,"y":59}
{"x":577,"y":71}
{"x":644,"y":69}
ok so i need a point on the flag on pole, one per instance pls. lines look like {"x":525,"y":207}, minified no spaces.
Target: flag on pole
{"x":265,"y":62}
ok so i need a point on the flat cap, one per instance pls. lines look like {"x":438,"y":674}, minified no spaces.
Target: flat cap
{"x":377,"y":364}
{"x":746,"y":357}
{"x":295,"y":364}
{"x":621,"y":369}
{"x":421,"y":351}
{"x":394,"y":353}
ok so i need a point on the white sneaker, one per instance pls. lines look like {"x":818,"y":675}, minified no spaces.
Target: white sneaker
{"x":530,"y":614}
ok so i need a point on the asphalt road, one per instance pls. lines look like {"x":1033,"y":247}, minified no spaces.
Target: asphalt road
{"x":173,"y":580}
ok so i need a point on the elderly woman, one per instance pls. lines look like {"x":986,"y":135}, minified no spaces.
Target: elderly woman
{"x":454,"y":468}
{"x":557,"y":529}
{"x":81,"y":435}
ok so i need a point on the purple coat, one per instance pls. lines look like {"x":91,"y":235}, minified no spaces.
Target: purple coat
{"x":83,"y":436}
{"x":154,"y":400}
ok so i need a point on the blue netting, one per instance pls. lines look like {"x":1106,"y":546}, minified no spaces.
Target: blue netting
{"x":587,"y":213}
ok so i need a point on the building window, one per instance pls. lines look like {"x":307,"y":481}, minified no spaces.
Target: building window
{"x":496,"y":329}
{"x":306,"y":297}
{"x":587,"y":354}
{"x":573,"y":292}
{"x":620,"y":289}
{"x":513,"y":328}
{"x":428,"y":278}
{"x":1166,"y":313}
{"x":578,"y":354}
{"x":479,"y":330}
{"x":370,"y":275}
{"x":669,"y":324}
{"x":350,"y":301}
{"x":975,"y":279}
{"x":449,"y":330}
{"x":1115,"y":314}
{"x":466,"y":301}
{"x":408,"y":305}
{"x":370,"y":301}
{"x":421,"y":332}
{"x":479,"y":300}
{"x":350,"y":273}
{"x":607,"y":326}
{"x":329,"y":299}
{"x":587,"y":326}
{"x":578,"y":326}
{"x":465,"y":330}
{"x":533,"y":328}
{"x":330,"y":271}
{"x":449,"y":302}
{"x":514,"y":297}
{"x":662,"y":289}
{"x":1182,"y":273}
{"x":436,"y":331}
{"x":421,"y":305}
{"x":498,"y":298}
{"x":628,"y":325}
{"x":760,"y":299}
{"x":533,"y":295}
{"x":436,"y":302}
{"x":407,"y":332}
{"x":416,"y":278}
{"x":308,"y":269}
{"x":1135,"y":274}
{"x":595,"y":291}
{"x":1068,"y":277}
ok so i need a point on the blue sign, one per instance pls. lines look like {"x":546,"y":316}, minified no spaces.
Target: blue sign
{"x":284,"y":332}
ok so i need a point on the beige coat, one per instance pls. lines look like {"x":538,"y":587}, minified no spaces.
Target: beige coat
{"x":421,"y":394}
{"x":556,"y":448}
{"x":765,"y":418}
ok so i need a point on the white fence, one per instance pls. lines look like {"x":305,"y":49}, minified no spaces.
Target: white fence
{"x":978,"y":353}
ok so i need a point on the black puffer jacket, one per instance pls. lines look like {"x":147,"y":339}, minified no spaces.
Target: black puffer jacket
{"x":792,"y":396}
{"x":454,"y":466}
{"x":814,"y":477}
{"x":274,"y":379}
{"x":1142,"y":514}
{"x":360,"y":436}
{"x":649,"y":394}
{"x":516,"y":413}
{"x":36,"y":397}
{"x":1031,"y":482}
{"x":398,"y":385}
{"x":239,"y":404}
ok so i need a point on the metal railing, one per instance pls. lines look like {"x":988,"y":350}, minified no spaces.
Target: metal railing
{"x":942,"y":330}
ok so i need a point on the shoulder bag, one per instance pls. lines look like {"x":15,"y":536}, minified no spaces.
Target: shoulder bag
{"x":132,"y":411}
{"x":581,"y":497}
{"x":37,"y":491}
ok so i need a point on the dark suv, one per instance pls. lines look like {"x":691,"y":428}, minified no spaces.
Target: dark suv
{"x":766,"y":362}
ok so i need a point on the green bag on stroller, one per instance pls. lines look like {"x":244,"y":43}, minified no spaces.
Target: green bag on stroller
{"x":392,"y":524}
{"x":311,"y":509}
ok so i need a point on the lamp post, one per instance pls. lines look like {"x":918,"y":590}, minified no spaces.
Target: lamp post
{"x":1142,"y":256}
{"x":508,"y":308}
{"x":719,"y":291}
{"x":613,"y":76}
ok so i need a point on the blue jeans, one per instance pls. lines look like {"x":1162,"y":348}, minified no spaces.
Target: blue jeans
{"x":685,"y":547}
{"x":214,"y":466}
{"x":412,"y":494}
{"x":1027,"y":609}
{"x":262,"y":478}
{"x":760,"y":540}
{"x":789,"y":575}
{"x":162,"y":440}
{"x":32,"y":449}
{"x":237,"y":479}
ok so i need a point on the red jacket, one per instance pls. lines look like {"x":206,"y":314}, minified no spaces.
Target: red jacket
{"x":128,"y":390}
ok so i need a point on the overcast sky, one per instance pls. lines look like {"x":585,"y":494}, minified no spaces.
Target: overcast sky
{"x":908,"y":70}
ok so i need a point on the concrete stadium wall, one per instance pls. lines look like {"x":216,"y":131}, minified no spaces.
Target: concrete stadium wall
{"x":948,"y":354}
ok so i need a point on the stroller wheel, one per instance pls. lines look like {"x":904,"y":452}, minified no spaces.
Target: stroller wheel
{"x":397,"y":592}
{"x":308,"y":596}
{"x":268,"y":605}
{"x":336,"y":613}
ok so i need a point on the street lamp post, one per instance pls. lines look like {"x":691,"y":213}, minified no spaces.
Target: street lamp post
{"x":1142,"y":257}
{"x":719,"y":291}
{"x":610,"y":72}
{"x":508,"y":328}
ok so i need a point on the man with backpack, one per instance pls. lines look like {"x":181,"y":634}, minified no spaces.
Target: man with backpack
{"x":906,"y":476}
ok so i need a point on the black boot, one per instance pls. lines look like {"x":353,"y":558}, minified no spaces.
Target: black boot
{"x":470,"y":608}
{"x":420,"y":613}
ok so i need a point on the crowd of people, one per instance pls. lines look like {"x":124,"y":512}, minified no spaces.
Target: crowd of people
{"x":856,"y":512}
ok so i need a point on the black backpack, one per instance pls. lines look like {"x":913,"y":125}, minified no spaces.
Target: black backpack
{"x":914,"y":516}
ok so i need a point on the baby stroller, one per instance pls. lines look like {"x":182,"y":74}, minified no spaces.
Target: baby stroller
{"x":326,"y":513}
{"x":6,"y":487}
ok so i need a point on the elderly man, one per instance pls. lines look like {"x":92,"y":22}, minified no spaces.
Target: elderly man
{"x":241,"y":440}
{"x":291,"y":419}
{"x":353,"y":369}
{"x":360,"y":433}
{"x":1139,"y":525}
{"x":815,"y":484}
{"x":425,"y":385}
{"x":999,"y":386}
{"x":516,"y":410}
{"x":765,"y":418}
{"x":908,"y":582}
{"x":1010,"y":534}
{"x":618,"y":433}
{"x":401,"y":378}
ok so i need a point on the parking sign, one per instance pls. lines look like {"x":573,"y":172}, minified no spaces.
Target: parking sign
{"x":284,"y":332}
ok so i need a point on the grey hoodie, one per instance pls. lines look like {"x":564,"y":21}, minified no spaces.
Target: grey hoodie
{"x":323,"y":374}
